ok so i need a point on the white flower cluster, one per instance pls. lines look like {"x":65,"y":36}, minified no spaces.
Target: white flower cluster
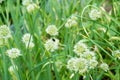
{"x":5,"y":34}
{"x":77,"y":64}
{"x":13,"y":53}
{"x":12,"y":69}
{"x":28,"y":40}
{"x":52,"y":44}
{"x":52,"y":30}
{"x":30,"y":6}
{"x":104,"y":67}
{"x":116,"y":54}
{"x":86,"y":60}
{"x":95,"y":14}
{"x":72,"y":21}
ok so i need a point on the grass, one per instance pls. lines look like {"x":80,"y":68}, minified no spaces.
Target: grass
{"x":38,"y":63}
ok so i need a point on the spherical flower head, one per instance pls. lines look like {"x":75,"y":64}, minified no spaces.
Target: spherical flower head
{"x":89,"y":55}
{"x":26,"y":2}
{"x":70,"y":23}
{"x":12,"y":69}
{"x":71,"y":64}
{"x":5,"y":32}
{"x":93,"y":63}
{"x":116,"y":54}
{"x":52,"y":44}
{"x":52,"y":30}
{"x":32,"y":7}
{"x":73,"y":17}
{"x":29,"y":45}
{"x":81,"y":65}
{"x":104,"y":67}
{"x":13,"y":53}
{"x":27,"y":38}
{"x":79,"y":48}
{"x":95,"y":14}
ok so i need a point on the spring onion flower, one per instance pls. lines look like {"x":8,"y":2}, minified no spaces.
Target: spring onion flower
{"x":5,"y":32}
{"x":71,"y":64}
{"x":52,"y":44}
{"x":116,"y":54}
{"x":12,"y":70}
{"x":13,"y":53}
{"x":81,"y":65}
{"x":92,"y":63}
{"x":104,"y":67}
{"x":27,"y":39}
{"x":26,"y":2}
{"x":30,"y":45}
{"x":52,"y":30}
{"x":80,"y":47}
{"x":95,"y":14}
{"x":78,"y":65}
{"x":32,"y":7}
{"x":89,"y":55}
{"x":72,"y":21}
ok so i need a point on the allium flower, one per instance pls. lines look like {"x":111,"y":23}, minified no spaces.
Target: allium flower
{"x":71,"y":64}
{"x":93,"y":63}
{"x":12,"y":70}
{"x":71,"y":22}
{"x":81,"y":65}
{"x":116,"y":54}
{"x":26,"y":2}
{"x":27,"y":38}
{"x":5,"y":32}
{"x":104,"y":66}
{"x":13,"y":53}
{"x":31,"y":7}
{"x":89,"y":55}
{"x":79,"y":48}
{"x":52,"y":44}
{"x":95,"y":14}
{"x":78,"y":65}
{"x":52,"y":30}
{"x":30,"y":45}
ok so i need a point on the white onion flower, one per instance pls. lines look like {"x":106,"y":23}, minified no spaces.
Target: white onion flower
{"x":27,"y":38}
{"x":71,"y":22}
{"x":52,"y":30}
{"x":5,"y":32}
{"x":95,"y":14}
{"x":26,"y":2}
{"x":80,"y":47}
{"x":13,"y":53}
{"x":89,"y":55}
{"x":116,"y":54}
{"x":32,"y":7}
{"x":104,"y":67}
{"x":52,"y":44}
